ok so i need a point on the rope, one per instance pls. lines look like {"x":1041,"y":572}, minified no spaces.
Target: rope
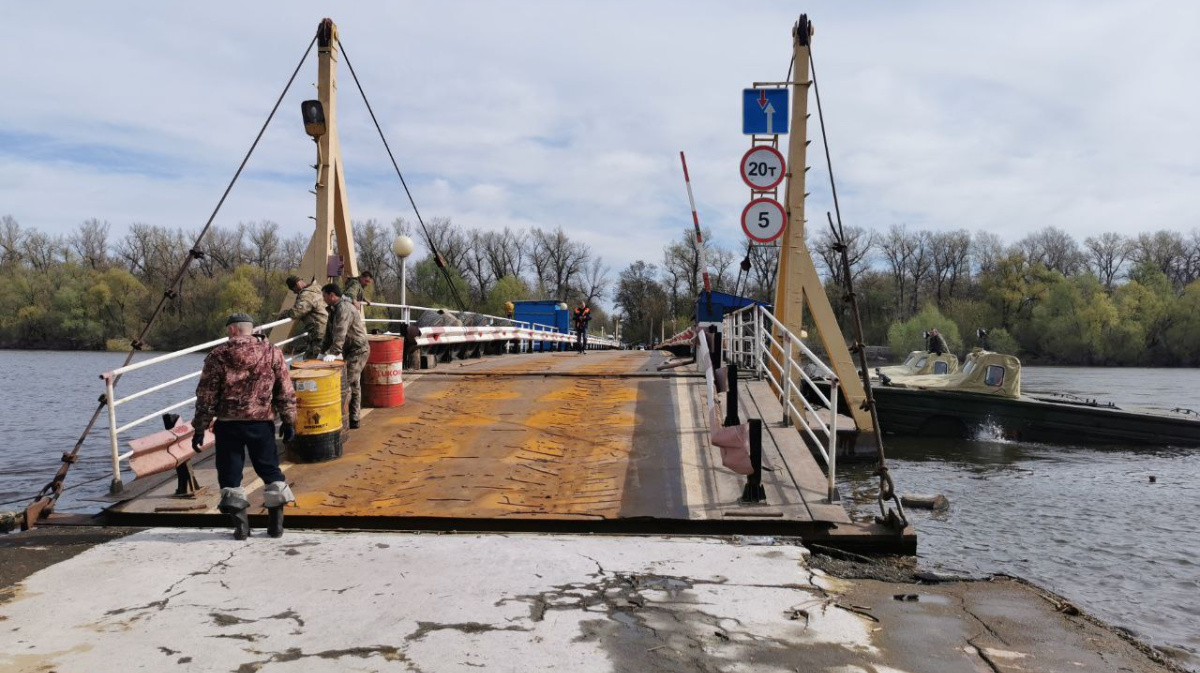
{"x":887,"y":489}
{"x":437,"y":256}
{"x":44,"y":501}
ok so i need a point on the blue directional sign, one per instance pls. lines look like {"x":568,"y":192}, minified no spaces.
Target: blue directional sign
{"x":764,"y":111}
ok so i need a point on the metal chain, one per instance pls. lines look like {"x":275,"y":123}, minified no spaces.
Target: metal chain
{"x":43,"y":503}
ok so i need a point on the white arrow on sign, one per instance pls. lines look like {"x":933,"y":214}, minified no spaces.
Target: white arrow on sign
{"x":770,"y":110}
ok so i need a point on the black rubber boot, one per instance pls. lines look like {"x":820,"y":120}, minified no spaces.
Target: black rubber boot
{"x":241,"y":524}
{"x":275,"y":521}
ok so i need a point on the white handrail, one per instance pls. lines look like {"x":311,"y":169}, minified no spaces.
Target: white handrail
{"x":781,"y":361}
{"x":186,"y":351}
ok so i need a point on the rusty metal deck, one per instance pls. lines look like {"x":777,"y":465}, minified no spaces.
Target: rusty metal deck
{"x":549,"y":441}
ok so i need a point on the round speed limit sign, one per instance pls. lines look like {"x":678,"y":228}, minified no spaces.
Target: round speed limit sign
{"x":762,"y":168}
{"x":763,"y":220}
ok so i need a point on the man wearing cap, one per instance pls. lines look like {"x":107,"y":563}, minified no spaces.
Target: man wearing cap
{"x":346,"y":337}
{"x":309,"y":310}
{"x":244,"y":384}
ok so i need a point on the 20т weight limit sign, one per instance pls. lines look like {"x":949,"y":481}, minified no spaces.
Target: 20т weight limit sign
{"x":763,"y":220}
{"x":762,"y":168}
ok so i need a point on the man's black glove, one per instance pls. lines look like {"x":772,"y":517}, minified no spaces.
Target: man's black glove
{"x":198,"y":441}
{"x":287,"y":432}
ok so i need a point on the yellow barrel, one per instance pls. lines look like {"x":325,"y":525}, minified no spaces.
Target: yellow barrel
{"x":318,"y":401}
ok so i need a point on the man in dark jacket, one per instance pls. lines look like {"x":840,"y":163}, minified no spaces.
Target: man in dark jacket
{"x":583,"y":315}
{"x":346,"y":337}
{"x":937,"y":343}
{"x":244,"y":385}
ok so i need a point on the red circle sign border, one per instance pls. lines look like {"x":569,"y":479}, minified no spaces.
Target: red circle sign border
{"x":782,"y":164}
{"x":782,"y":212}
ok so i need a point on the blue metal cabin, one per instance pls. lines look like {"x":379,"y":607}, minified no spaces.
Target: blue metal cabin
{"x":722,"y":303}
{"x":544,"y":312}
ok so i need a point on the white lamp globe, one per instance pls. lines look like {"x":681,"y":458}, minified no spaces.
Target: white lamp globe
{"x":403,"y":246}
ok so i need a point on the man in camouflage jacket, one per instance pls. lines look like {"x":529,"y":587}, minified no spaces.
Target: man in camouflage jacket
{"x":243,"y":386}
{"x":309,"y":310}
{"x":346,"y":336}
{"x":354,"y":291}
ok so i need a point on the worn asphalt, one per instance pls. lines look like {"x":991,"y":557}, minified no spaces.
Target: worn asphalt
{"x":98,"y":599}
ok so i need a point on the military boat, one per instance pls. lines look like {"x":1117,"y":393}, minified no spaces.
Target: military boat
{"x":984,"y":399}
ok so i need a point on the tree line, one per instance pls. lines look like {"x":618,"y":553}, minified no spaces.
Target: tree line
{"x":91,"y":289}
{"x":1113,"y":299}
{"x":1110,"y":299}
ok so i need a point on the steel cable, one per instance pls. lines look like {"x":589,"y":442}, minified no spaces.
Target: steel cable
{"x":437,"y":256}
{"x":44,"y":501}
{"x":887,"y":489}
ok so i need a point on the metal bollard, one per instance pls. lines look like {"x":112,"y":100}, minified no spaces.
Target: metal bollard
{"x":754,"y":491}
{"x":731,"y":401}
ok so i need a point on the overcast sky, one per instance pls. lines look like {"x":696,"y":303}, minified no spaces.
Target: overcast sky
{"x":1001,"y":116}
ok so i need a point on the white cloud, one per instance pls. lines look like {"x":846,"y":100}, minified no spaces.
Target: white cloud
{"x":1006,"y":117}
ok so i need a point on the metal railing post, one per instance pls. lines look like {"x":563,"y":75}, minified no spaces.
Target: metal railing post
{"x":833,"y":419}
{"x":758,"y":342}
{"x":785,"y":376}
{"x":109,"y":398}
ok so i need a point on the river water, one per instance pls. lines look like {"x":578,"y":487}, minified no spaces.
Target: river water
{"x":1082,"y":521}
{"x":1085,"y":522}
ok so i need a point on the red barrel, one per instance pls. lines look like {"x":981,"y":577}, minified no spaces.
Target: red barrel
{"x":382,"y":378}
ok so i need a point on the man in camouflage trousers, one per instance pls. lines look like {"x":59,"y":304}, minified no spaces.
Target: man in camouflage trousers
{"x":244,"y":384}
{"x":345,"y":336}
{"x":310,"y":311}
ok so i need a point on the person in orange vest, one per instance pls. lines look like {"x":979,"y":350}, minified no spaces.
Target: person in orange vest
{"x":583,"y":315}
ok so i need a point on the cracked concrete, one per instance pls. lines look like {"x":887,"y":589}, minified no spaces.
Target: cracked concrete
{"x":195,"y":600}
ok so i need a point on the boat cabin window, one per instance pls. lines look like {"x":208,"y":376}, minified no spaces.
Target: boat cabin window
{"x":970,"y":367}
{"x":911,"y":359}
{"x":921,"y":363}
{"x":994,"y":376}
{"x":941,"y":367}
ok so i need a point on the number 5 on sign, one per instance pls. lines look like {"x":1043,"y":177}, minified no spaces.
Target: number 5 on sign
{"x":763,"y":220}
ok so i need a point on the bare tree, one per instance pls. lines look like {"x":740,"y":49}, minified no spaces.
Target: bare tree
{"x":951,"y":259}
{"x":265,"y":246}
{"x":1164,"y":250}
{"x":292,"y":249}
{"x":1106,"y":255}
{"x":987,"y":249}
{"x":897,"y":247}
{"x":40,"y":250}
{"x":449,"y":241}
{"x":10,"y":242}
{"x":920,"y":263}
{"x":721,"y":262}
{"x":595,"y":283}
{"x":90,"y":242}
{"x":505,"y":251}
{"x":859,"y":245}
{"x":476,"y":267}
{"x":1053,"y":248}
{"x":561,"y":260}
{"x":373,"y":247}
